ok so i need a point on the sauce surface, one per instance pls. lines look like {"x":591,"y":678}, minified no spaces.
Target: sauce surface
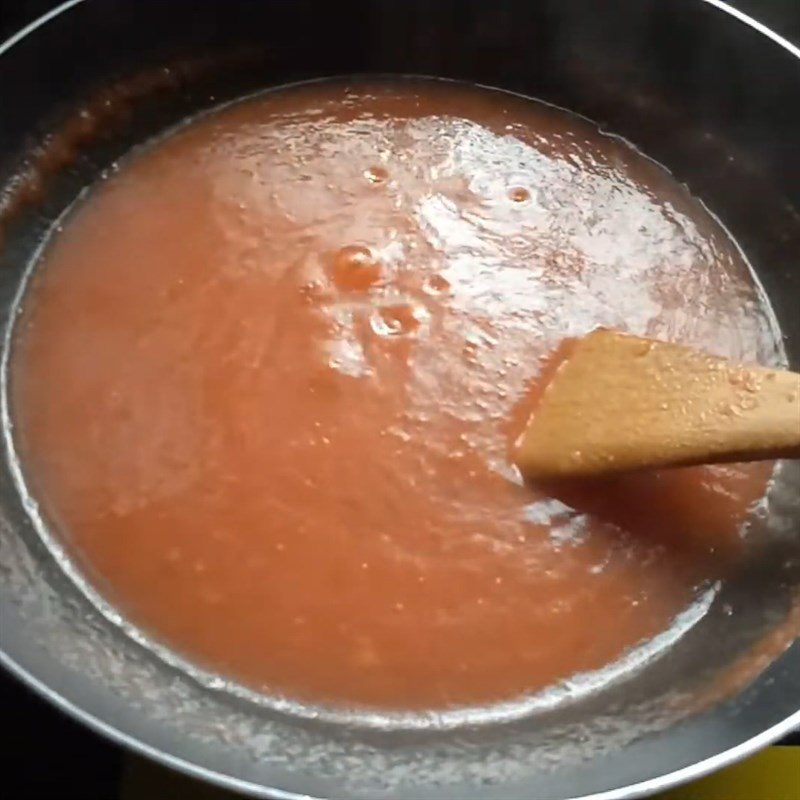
{"x":267,"y":377}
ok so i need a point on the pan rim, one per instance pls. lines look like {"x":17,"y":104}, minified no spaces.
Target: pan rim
{"x":136,"y":745}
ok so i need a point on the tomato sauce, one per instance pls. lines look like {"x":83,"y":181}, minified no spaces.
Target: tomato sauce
{"x":267,"y":376}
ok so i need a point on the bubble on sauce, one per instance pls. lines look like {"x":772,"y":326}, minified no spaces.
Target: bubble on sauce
{"x":436,"y":284}
{"x":354,"y":268}
{"x":519,"y":194}
{"x":312,"y":291}
{"x":398,"y":319}
{"x":476,"y":341}
{"x":376,"y":174}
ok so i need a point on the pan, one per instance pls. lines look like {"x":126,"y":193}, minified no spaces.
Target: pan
{"x":698,"y":86}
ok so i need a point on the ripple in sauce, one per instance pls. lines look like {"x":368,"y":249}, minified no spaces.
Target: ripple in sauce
{"x":266,"y":378}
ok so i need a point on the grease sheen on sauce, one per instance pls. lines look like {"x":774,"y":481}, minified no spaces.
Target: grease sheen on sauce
{"x":266,"y":379}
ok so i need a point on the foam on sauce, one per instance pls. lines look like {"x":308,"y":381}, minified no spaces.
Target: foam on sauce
{"x":266,"y":377}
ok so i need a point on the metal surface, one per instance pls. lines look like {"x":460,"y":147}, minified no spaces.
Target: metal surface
{"x":700,"y":87}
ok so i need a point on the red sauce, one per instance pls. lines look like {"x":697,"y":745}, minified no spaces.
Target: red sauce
{"x":264,"y":376}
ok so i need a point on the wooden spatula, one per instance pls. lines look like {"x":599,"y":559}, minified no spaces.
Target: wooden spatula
{"x":619,"y":403}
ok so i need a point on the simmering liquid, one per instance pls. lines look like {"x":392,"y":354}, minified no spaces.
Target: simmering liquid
{"x":267,"y":378}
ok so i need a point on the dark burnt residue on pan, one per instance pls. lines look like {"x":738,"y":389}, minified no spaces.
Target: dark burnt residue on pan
{"x":105,"y":113}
